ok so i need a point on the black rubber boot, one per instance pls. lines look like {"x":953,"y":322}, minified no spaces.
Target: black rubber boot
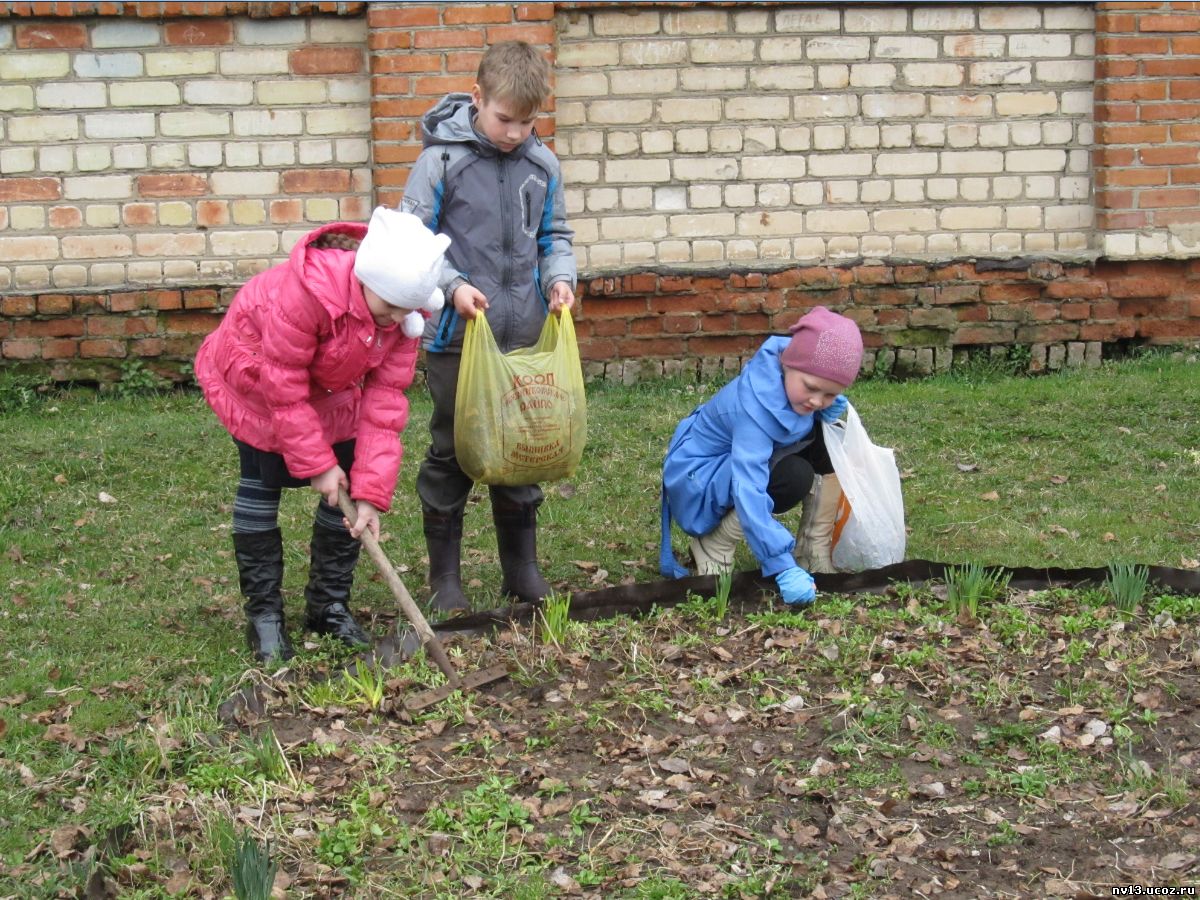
{"x":516,"y":538}
{"x":330,"y":576}
{"x":259,"y":558}
{"x":443,"y":539}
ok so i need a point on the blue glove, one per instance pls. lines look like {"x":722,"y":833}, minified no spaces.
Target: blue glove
{"x":834,"y":410}
{"x":796,"y":586}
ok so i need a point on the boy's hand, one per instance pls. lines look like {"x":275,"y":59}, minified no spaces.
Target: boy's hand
{"x":328,"y":482}
{"x":561,"y":297}
{"x":467,"y":299}
{"x":368,"y":520}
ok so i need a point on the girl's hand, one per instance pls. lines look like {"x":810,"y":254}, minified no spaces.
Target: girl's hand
{"x":561,"y":297}
{"x":368,"y":520}
{"x":328,"y":482}
{"x":467,"y":300}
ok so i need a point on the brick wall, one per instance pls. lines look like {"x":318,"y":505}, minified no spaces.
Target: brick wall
{"x":927,"y":169}
{"x":1148,"y":128}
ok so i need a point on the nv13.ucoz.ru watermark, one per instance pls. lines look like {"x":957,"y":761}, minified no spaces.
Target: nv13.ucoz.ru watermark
{"x":1142,"y":890}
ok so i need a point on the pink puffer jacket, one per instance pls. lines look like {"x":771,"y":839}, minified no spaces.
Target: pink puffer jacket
{"x":298,"y":365}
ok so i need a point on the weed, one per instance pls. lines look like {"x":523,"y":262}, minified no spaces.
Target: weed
{"x":251,"y":868}
{"x":367,"y":684}
{"x":969,"y":585}
{"x":137,"y":381}
{"x":1126,"y":583}
{"x":22,"y":390}
{"x":554,"y":619}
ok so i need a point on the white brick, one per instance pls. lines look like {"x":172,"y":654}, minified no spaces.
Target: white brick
{"x":943,"y":18}
{"x":1006,"y":242}
{"x":254,"y":212}
{"x":768,"y":109}
{"x":960,"y":105}
{"x":244,"y":243}
{"x":144,"y":93}
{"x":713,"y":78}
{"x":664,"y":83}
{"x":263,"y":122}
{"x":774,"y":194}
{"x":224,"y":92}
{"x":774,"y":167}
{"x":808,"y":193}
{"x":169,"y":156}
{"x":124,"y":33}
{"x":955,"y":163}
{"x":893,"y":106}
{"x":658,"y":141}
{"x":833,"y":78}
{"x":170,"y":244}
{"x":1023,"y":217}
{"x":841,"y":192}
{"x":30,"y":278}
{"x":896,"y":135}
{"x":674,"y":252}
{"x":278,"y":153}
{"x":930,"y":134}
{"x":654,"y":53}
{"x":620,"y":112}
{"x":623,"y":143}
{"x":705,"y":196}
{"x":1026,"y":134}
{"x":69,"y":276}
{"x":601,"y":54}
{"x":244,"y":184}
{"x":1057,"y":132}
{"x":697,"y":21}
{"x":750,"y":21}
{"x":637,"y":197}
{"x":33,"y":66}
{"x":349,"y":90}
{"x":56,"y":158}
{"x":194,"y":124}
{"x":1009,"y":18}
{"x":782,"y":50}
{"x":16,"y":96}
{"x":98,"y":187}
{"x":96,"y":246}
{"x":809,"y":248}
{"x":1008,"y":187}
{"x":843,"y":247}
{"x":840,"y":164}
{"x":716,"y":51}
{"x":27,"y":218}
{"x":266,"y":32}
{"x":1079,"y":18}
{"x":6,"y":36}
{"x":758,"y":224}
{"x":581,"y":171}
{"x":651,"y":171}
{"x":93,"y":157}
{"x":986,"y":46}
{"x":352,"y":150}
{"x":684,"y":110}
{"x":933,"y":74}
{"x":1039,"y":45}
{"x":576,"y":84}
{"x":901,"y":220}
{"x":906,"y":163}
{"x":864,"y":136}
{"x":181,"y":62}
{"x":838,"y":48}
{"x":877,"y":191}
{"x":328,"y":30}
{"x":829,"y":137}
{"x":964,"y":218}
{"x":205,"y":154}
{"x":622,"y":228}
{"x":796,"y":137}
{"x":975,"y":189}
{"x":874,"y":20}
{"x":43,"y":128}
{"x":71,"y":95}
{"x":175,"y":213}
{"x":712,"y":169}
{"x":1075,"y":188}
{"x":1035,"y":160}
{"x":253,"y":62}
{"x":1077,"y":103}
{"x":812,"y":20}
{"x":785,"y":78}
{"x":1065,"y":71}
{"x":240,"y":154}
{"x":626,"y":23}
{"x":670,"y":199}
{"x":720,"y":140}
{"x":904,"y":46}
{"x":872,"y":74}
{"x":825,"y":106}
{"x":702,"y":225}
{"x":850,"y":221}
{"x":962,"y":135}
{"x":1058,"y":217}
{"x":1000,"y":72}
{"x":17,"y":159}
{"x":908,"y":190}
{"x":1041,"y":187}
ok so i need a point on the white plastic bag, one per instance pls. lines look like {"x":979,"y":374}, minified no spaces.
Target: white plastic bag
{"x":872,"y":534}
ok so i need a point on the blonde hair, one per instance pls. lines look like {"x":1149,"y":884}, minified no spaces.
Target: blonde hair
{"x":516,"y":73}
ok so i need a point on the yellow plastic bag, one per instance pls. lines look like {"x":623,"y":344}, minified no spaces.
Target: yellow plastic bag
{"x":520,"y":417}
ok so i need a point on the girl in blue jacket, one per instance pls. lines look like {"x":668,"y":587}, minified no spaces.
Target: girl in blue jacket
{"x":754,"y":450}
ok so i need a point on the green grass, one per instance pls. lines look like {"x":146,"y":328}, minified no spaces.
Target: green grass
{"x":121,"y":626}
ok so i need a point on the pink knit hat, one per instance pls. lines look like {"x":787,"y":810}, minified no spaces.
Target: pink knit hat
{"x":825,"y":344}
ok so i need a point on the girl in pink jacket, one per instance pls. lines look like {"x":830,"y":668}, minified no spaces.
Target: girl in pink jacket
{"x":307,"y":372}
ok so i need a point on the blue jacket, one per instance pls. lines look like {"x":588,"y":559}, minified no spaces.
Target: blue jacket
{"x":506,"y":218}
{"x":720,"y":459}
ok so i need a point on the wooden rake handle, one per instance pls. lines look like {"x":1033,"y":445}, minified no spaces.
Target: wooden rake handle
{"x":411,"y":611}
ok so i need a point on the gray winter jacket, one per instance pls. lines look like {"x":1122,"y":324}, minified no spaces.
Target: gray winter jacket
{"x":506,"y":218}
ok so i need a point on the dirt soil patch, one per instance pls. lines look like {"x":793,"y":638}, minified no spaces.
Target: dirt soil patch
{"x":870,"y":746}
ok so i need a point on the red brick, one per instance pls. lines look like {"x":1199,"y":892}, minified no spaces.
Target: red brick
{"x":1139,"y":287}
{"x":20,"y":349}
{"x":1185,"y":46}
{"x":61,"y":348}
{"x":402,"y":109}
{"x":147,"y":347}
{"x":1175,"y":22}
{"x":1131,"y":46}
{"x":1156,"y":112}
{"x":102,"y":349}
{"x":1115,"y":112}
{"x":54,"y":305}
{"x":387,"y":40}
{"x":529,"y":12}
{"x":393,"y":17}
{"x":326,"y":61}
{"x":983,"y":334}
{"x":1176,"y":216}
{"x":48,"y":35}
{"x":171,"y":185}
{"x":1174,"y":68}
{"x":1075,"y":311}
{"x":538,"y":35}
{"x":1076,"y":289}
{"x":1131,"y":177}
{"x":490,"y":14}
{"x":1008,"y":293}
{"x":199,"y":32}
{"x":463,"y":61}
{"x":39,"y":328}
{"x":188,"y":322}
{"x":126,"y":301}
{"x":199,"y":299}
{"x":1131,"y":90}
{"x":641,"y":283}
{"x":1131,"y":134}
{"x":137,"y":214}
{"x":161,"y":300}
{"x":1121,"y":221}
{"x":17,"y":306}
{"x":18,"y":189}
{"x":1168,"y":198}
{"x":460,"y":37}
{"x":316,"y":181}
{"x":438,"y":85}
{"x":211,"y":213}
{"x":1169,"y":155}
{"x":1112,"y":331}
{"x":287,"y":212}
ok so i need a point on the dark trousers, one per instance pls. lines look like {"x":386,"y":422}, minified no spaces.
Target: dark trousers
{"x":793,"y":470}
{"x":442,"y":486}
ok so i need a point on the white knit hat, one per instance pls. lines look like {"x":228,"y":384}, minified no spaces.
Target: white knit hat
{"x":401,"y":260}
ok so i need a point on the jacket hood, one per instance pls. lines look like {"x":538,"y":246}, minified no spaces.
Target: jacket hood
{"x":315,"y":267}
{"x":451,"y":121}
{"x":761,"y":392}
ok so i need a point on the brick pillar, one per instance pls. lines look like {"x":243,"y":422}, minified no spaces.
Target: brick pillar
{"x":1147,"y":154}
{"x":420,"y":53}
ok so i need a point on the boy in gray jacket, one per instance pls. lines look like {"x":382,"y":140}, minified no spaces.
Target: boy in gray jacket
{"x":485,"y":179}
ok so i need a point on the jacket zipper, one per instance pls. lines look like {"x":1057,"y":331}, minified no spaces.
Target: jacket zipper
{"x":507,"y":248}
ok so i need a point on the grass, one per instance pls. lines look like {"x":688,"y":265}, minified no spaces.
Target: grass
{"x":120,"y":621}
